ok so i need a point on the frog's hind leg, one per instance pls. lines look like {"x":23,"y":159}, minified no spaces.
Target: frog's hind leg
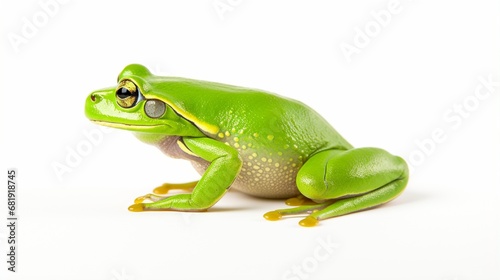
{"x":354,"y":180}
{"x":349,"y":181}
{"x":160,"y":192}
{"x":353,"y":204}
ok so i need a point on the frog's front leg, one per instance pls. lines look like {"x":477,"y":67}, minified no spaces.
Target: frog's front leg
{"x":346,"y":182}
{"x":225,"y":164}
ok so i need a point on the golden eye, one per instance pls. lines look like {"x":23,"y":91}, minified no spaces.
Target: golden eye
{"x":126,"y":94}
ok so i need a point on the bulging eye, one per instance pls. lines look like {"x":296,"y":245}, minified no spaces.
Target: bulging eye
{"x":127,"y":94}
{"x":154,"y":108}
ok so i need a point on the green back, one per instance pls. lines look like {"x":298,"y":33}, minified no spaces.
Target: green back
{"x":261,"y":117}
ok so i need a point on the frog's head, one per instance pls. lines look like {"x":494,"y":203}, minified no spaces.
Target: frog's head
{"x":134,"y":105}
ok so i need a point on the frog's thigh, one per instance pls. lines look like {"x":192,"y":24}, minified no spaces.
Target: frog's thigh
{"x":335,"y":174}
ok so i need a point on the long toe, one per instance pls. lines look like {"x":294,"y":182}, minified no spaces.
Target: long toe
{"x":309,"y":222}
{"x":138,"y":207}
{"x":273,"y":216}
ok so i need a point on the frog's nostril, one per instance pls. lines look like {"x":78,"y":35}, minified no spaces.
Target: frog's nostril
{"x":95,"y":97}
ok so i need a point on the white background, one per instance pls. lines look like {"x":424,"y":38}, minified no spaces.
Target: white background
{"x":404,"y":84}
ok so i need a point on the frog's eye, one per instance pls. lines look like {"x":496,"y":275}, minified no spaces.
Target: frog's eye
{"x":126,"y":94}
{"x":154,"y":108}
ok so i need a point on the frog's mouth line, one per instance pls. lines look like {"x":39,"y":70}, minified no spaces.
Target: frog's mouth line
{"x":127,"y":126}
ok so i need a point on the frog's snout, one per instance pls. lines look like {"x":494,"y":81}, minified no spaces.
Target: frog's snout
{"x":94,"y":98}
{"x":94,"y":105}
